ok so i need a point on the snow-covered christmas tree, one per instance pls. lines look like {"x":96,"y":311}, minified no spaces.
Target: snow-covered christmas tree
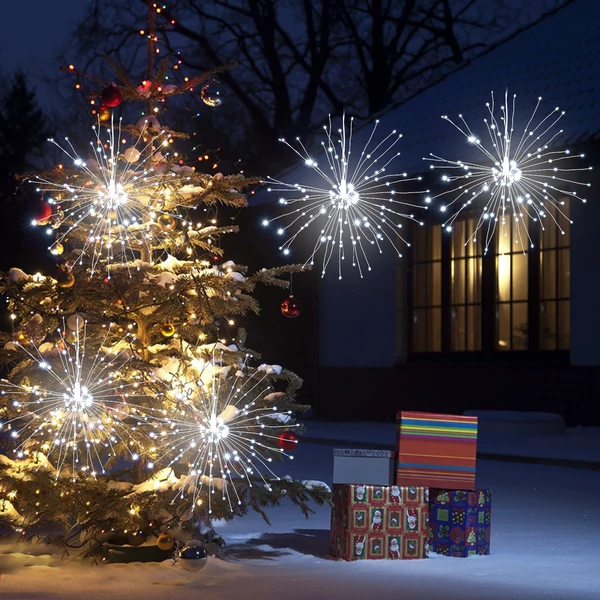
{"x":131,"y":403}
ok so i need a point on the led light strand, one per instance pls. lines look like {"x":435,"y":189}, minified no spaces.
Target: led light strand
{"x":358,"y":207}
{"x":122,"y":203}
{"x":522,"y":180}
{"x":80,"y":416}
{"x":222,"y":433}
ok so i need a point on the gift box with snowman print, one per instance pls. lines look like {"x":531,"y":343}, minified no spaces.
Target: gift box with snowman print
{"x":377,"y":522}
{"x":460,"y":522}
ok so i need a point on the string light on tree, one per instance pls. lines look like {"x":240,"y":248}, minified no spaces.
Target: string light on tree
{"x":68,"y":409}
{"x":224,"y":428}
{"x":359,"y":207}
{"x":523,"y":179}
{"x":114,"y":196}
{"x":79,"y":417}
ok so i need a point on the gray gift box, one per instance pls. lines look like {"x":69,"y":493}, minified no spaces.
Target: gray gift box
{"x":367,"y":466}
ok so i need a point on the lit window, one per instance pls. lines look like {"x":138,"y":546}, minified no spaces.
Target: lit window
{"x":506,"y":300}
{"x":465,"y":285}
{"x":427,"y":290}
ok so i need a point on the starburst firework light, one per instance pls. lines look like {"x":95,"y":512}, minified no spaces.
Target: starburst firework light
{"x":358,"y":207}
{"x":78,"y":418}
{"x":522,"y":180}
{"x":119,"y":194}
{"x":224,"y":429}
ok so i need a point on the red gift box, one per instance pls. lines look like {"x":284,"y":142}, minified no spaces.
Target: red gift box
{"x":436,"y":450}
{"x":376,"y":522}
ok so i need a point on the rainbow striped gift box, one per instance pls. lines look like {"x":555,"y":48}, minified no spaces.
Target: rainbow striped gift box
{"x":437,"y":451}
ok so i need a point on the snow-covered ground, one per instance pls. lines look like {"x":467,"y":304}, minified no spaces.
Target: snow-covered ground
{"x":544,"y":545}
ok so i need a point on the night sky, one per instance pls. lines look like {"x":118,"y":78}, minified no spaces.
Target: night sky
{"x":31,"y":34}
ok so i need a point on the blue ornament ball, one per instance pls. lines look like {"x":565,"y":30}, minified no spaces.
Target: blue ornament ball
{"x":192,"y":556}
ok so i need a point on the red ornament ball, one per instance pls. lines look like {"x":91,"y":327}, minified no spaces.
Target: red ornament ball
{"x":288,"y":440}
{"x":290,"y":307}
{"x":111,"y":96}
{"x":43,"y":213}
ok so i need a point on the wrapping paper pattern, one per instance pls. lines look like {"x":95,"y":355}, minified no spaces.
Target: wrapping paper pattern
{"x":460,"y":522}
{"x":436,"y":450}
{"x":377,"y":522}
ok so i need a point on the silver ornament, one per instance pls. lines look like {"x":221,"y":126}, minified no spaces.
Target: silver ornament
{"x":192,"y":557}
{"x":75,"y":322}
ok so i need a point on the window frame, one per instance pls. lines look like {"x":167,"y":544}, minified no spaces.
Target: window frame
{"x":489,"y":302}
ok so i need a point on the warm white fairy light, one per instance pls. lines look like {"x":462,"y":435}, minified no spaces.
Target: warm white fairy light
{"x":223,"y":431}
{"x":79,"y":419}
{"x":522,"y":179}
{"x":119,"y":195}
{"x":358,"y":208}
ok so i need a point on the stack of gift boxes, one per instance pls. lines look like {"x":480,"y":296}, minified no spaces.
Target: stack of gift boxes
{"x":424,"y":498}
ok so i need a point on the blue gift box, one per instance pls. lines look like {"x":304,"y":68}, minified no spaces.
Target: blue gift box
{"x":460,"y":522}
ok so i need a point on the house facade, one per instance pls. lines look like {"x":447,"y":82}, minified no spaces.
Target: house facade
{"x":448,"y":326}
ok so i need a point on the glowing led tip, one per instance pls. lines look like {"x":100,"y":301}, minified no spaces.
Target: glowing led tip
{"x":523,"y":176}
{"x":225,"y":431}
{"x":354,"y":204}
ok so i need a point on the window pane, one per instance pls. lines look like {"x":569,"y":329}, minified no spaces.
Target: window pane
{"x":564,"y":273}
{"x":474,"y":246}
{"x":503,"y":233}
{"x":427,"y":284}
{"x":503,"y":274}
{"x":549,"y":229}
{"x":436,"y":242}
{"x":434,"y":327}
{"x":548,"y":259}
{"x":503,"y":326}
{"x":458,"y":328}
{"x":458,"y":281}
{"x":458,"y":239}
{"x":420,"y":285}
{"x":473,"y":328}
{"x":435,"y":284}
{"x":474,"y":280}
{"x":548,"y":326}
{"x":420,"y":246}
{"x":520,"y":236}
{"x":519,"y":276}
{"x":519,"y":327}
{"x":564,"y":240}
{"x":419,"y":331}
{"x":563,"y":325}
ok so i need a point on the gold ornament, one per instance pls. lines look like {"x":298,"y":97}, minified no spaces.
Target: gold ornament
{"x":131,"y":155}
{"x":104,"y":113}
{"x":167,"y":222}
{"x":65,"y":279}
{"x":167,"y":330}
{"x":165,"y":541}
{"x":57,"y":249}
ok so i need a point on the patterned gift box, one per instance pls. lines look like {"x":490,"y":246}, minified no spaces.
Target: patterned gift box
{"x":460,"y":521}
{"x":436,"y":450}
{"x":365,"y":466}
{"x":376,"y":522}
